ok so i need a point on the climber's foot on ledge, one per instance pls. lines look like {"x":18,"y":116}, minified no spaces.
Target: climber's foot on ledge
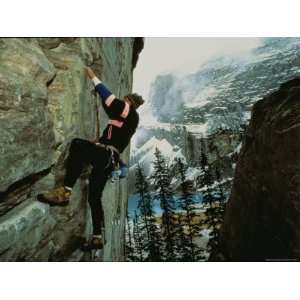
{"x":96,"y":242}
{"x":57,"y":197}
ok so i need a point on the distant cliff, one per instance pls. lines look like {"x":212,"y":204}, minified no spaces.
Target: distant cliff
{"x":45,"y":101}
{"x":263,"y":215}
{"x":222,"y":91}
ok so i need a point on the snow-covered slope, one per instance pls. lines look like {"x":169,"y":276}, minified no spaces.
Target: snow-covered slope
{"x":145,"y":154}
{"x":221,"y":94}
{"x":224,"y":89}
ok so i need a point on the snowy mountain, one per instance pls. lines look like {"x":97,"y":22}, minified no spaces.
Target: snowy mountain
{"x":145,"y":154}
{"x":224,"y":89}
{"x":217,"y":98}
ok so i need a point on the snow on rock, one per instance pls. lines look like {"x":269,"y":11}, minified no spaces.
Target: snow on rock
{"x":202,"y":98}
{"x":192,"y":173}
{"x":198,"y":103}
{"x":198,"y":129}
{"x":202,"y":242}
{"x":215,"y":184}
{"x":236,"y":151}
{"x":238,"y":148}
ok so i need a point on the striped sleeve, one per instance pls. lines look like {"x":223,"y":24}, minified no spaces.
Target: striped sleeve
{"x":114,"y":106}
{"x":106,"y":95}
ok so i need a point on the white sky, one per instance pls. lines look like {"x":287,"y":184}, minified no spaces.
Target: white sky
{"x":182,"y":55}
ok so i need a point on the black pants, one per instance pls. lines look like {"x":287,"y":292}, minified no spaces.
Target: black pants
{"x":83,"y":152}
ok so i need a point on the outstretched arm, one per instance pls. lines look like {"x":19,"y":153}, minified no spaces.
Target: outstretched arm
{"x":105,"y":94}
{"x":114,"y":106}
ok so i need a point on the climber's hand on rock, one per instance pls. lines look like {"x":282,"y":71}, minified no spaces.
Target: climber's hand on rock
{"x":90,"y":73}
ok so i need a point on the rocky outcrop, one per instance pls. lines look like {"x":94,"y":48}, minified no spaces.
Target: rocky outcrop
{"x":220,"y":147}
{"x":263,"y":214}
{"x":45,"y":101}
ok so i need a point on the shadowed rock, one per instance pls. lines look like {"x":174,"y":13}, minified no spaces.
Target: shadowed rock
{"x":262,"y":219}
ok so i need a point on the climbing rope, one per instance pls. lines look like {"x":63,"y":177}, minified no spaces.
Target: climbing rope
{"x":97,"y":119}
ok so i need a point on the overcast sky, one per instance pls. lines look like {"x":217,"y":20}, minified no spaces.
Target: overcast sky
{"x":182,"y":55}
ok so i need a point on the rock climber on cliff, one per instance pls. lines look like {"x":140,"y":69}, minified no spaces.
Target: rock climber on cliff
{"x":103,"y":155}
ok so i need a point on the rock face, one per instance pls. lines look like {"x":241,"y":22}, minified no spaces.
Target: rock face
{"x":220,"y":148}
{"x":45,"y":101}
{"x":222,"y":92}
{"x":263,"y":215}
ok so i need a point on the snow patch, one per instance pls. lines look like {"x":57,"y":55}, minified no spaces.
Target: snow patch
{"x":200,"y":129}
{"x":147,"y":154}
{"x":238,"y":148}
{"x":197,"y":104}
{"x":192,"y":173}
{"x":202,"y":98}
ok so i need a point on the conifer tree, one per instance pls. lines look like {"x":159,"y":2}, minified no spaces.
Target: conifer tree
{"x":150,"y":228}
{"x":219,"y":211}
{"x":138,"y":239}
{"x":183,"y":246}
{"x":190,"y":251}
{"x":164,"y":194}
{"x":144,"y":203}
{"x":206,"y":179}
{"x":206,"y":184}
{"x":129,"y":243}
{"x":221,"y":193}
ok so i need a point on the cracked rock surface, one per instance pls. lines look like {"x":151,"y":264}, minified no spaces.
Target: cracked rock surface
{"x":46,"y":100}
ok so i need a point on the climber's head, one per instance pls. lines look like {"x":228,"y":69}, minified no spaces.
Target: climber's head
{"x":135,"y":100}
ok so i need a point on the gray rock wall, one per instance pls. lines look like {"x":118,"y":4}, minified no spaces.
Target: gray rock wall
{"x":45,"y":101}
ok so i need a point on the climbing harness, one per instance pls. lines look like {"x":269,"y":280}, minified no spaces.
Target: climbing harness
{"x":108,"y":147}
{"x":116,"y":172}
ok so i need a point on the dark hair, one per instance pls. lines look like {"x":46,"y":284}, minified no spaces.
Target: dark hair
{"x":135,"y":99}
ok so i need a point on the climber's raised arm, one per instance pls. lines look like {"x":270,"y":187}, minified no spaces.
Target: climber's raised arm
{"x":112,"y":106}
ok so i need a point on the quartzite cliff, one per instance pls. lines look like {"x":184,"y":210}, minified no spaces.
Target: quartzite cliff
{"x":45,"y":101}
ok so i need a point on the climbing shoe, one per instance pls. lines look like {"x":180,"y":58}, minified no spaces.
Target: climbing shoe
{"x":95,"y":242}
{"x":59,"y":196}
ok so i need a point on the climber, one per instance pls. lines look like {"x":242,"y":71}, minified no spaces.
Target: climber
{"x":103,"y":155}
